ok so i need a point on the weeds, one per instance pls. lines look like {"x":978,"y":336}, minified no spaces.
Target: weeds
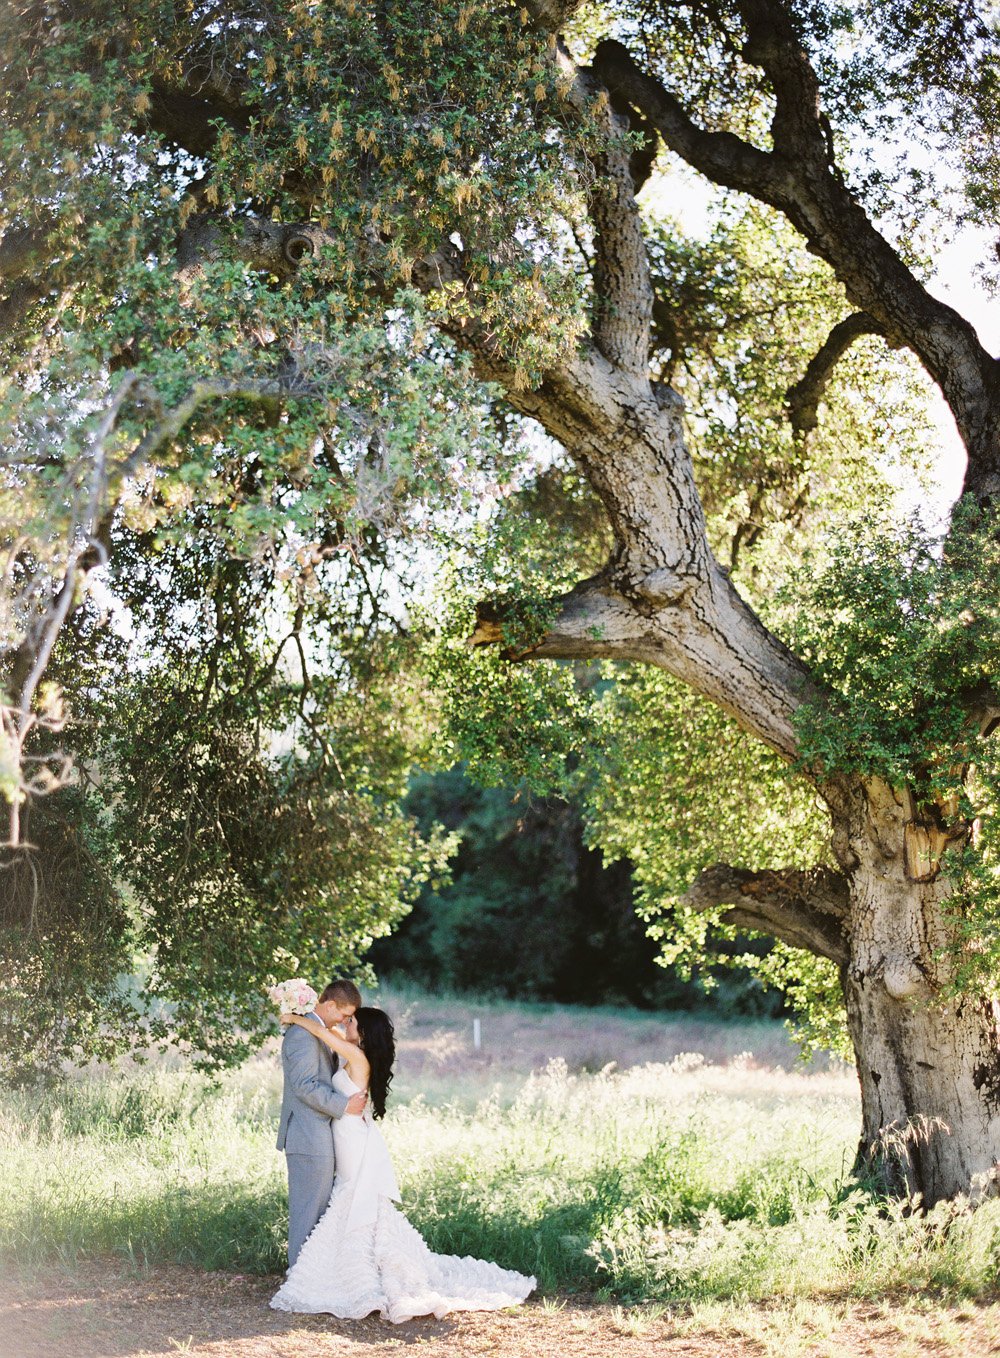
{"x":664,"y":1184}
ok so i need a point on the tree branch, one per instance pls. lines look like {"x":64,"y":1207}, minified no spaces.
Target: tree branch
{"x":773,"y":45}
{"x":260,"y":389}
{"x":551,"y":16}
{"x":798,"y":179}
{"x":662,"y":598}
{"x":804,"y":909}
{"x":270,"y":247}
{"x":623,"y":288}
{"x":622,"y":285}
{"x":804,"y":397}
{"x":722,"y":156}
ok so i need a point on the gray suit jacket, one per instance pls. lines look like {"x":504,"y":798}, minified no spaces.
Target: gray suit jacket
{"x":308,"y":1099}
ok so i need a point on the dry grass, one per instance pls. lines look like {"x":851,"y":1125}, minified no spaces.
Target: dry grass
{"x":436,"y":1036}
{"x":742,"y":1079}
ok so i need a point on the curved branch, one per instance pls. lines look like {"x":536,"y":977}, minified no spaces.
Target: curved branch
{"x":623,"y":288}
{"x":662,"y":598}
{"x":804,"y":909}
{"x":622,"y":284}
{"x":805,"y":396}
{"x":798,"y":179}
{"x":699,"y":630}
{"x":722,"y":156}
{"x":774,"y":46}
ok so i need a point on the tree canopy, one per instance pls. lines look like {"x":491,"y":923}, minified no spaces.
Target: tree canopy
{"x":338,"y":337}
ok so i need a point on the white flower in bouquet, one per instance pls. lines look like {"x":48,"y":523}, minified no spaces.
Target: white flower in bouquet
{"x":293,"y":997}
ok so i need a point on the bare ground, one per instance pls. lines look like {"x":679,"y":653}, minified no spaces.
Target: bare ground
{"x":105,"y":1310}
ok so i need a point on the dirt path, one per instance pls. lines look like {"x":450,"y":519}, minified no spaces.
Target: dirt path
{"x":101,"y":1310}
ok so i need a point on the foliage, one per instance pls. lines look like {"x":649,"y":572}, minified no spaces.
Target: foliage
{"x":750,"y":310}
{"x":743,"y":310}
{"x":530,"y":911}
{"x":708,"y":791}
{"x":245,"y":795}
{"x":67,"y":938}
{"x":364,"y":122}
{"x":269,"y":451}
{"x":901,"y":628}
{"x":250,"y":865}
{"x":288,"y":448}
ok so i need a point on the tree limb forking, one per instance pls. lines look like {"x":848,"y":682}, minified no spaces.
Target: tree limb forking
{"x":774,"y":46}
{"x":803,"y":399}
{"x":805,"y":909}
{"x":797,"y":178}
{"x":662,"y":598}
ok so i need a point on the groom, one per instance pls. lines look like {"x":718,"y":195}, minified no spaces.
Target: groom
{"x":308,"y":1103}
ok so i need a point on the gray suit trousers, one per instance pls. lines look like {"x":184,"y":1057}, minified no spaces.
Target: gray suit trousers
{"x":309,"y":1103}
{"x":310,"y":1183}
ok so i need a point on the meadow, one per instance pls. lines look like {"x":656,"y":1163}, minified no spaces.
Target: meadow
{"x":635,"y":1158}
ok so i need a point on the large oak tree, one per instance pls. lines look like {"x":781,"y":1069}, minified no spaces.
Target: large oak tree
{"x":246,"y":250}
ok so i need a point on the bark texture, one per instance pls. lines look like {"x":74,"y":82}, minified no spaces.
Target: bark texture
{"x":805,"y":909}
{"x":929,"y":1064}
{"x":662,"y":598}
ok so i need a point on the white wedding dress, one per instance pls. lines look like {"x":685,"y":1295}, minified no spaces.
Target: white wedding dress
{"x":364,"y":1256}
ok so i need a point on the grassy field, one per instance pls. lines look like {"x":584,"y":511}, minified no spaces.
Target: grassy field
{"x":700,"y":1167}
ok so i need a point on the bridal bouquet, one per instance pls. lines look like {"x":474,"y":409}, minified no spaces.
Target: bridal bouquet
{"x":293,"y":997}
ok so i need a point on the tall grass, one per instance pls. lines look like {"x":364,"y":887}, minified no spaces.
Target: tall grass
{"x":669,"y":1181}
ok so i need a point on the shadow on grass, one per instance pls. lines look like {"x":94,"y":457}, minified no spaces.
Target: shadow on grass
{"x":106,"y":1309}
{"x":239,"y":1227}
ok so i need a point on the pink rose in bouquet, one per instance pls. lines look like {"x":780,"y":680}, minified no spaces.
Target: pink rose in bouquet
{"x":293,"y":997}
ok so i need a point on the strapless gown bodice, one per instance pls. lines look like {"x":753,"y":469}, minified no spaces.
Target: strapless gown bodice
{"x":362,"y":1158}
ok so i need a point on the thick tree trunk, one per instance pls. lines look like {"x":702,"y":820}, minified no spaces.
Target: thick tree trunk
{"x":929,"y":1065}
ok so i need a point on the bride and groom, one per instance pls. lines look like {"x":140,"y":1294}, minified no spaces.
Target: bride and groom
{"x":350,"y":1250}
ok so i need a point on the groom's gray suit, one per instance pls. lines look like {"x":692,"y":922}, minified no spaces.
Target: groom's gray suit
{"x":305,"y":1133}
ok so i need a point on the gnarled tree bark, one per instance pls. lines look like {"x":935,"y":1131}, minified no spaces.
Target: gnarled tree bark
{"x":928,"y":1064}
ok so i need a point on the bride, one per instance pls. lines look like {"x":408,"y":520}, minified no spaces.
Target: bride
{"x":363,"y":1255}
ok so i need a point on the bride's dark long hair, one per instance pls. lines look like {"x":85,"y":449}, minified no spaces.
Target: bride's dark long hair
{"x":378,"y":1042}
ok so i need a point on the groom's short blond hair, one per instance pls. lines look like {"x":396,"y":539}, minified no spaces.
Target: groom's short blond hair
{"x":341,"y":992}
